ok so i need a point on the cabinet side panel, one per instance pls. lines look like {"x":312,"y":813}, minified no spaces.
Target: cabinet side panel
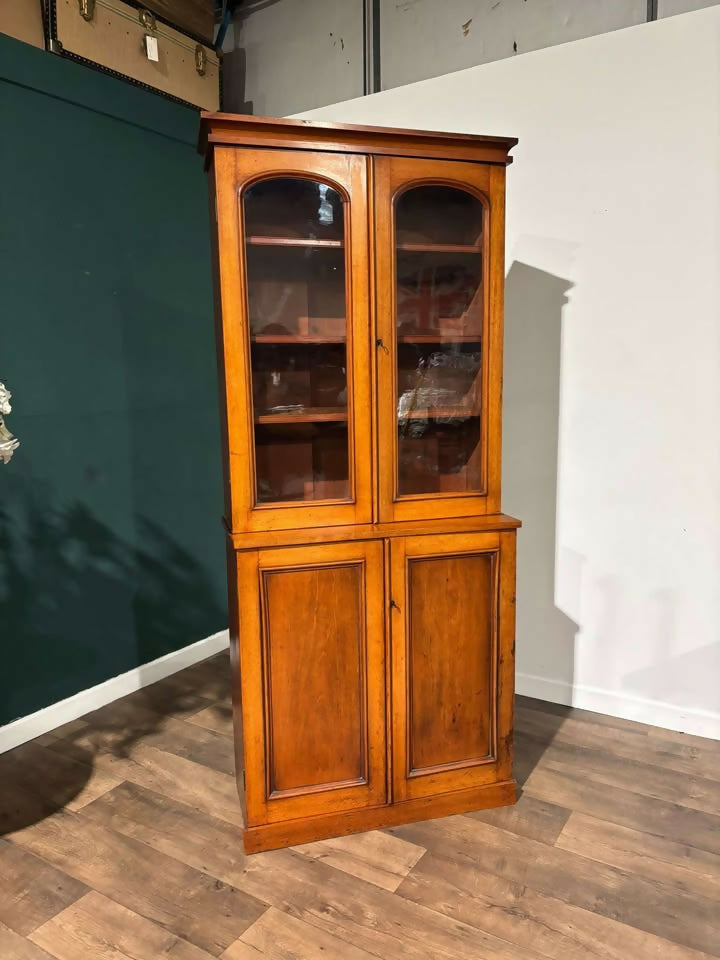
{"x":316,"y":696}
{"x":451,"y":660}
{"x":232,"y":579}
{"x":506,"y":654}
{"x":219,"y":341}
{"x":494,"y":346}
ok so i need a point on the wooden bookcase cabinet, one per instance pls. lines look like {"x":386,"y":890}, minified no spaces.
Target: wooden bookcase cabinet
{"x":359,"y":305}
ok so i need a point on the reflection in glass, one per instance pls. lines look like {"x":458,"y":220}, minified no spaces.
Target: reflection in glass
{"x":295,"y":259}
{"x":439,"y":324}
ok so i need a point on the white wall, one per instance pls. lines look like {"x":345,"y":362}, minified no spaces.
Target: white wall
{"x":293,"y":55}
{"x":612,"y":367}
{"x":424,"y":38}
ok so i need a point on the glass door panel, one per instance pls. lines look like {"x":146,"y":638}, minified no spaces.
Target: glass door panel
{"x":438,"y":323}
{"x":295,"y":239}
{"x":294,"y":279}
{"x":432,"y":304}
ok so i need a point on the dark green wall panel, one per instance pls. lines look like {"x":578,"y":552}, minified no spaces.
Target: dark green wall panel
{"x":111,"y":547}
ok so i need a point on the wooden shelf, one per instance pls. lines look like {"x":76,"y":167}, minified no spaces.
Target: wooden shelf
{"x":260,"y":241}
{"x":439,"y":413}
{"x":440,"y":338}
{"x":293,"y":338}
{"x":439,"y":247}
{"x":306,"y":415}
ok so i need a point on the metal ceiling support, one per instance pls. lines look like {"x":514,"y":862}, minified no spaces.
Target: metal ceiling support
{"x":371,"y":38}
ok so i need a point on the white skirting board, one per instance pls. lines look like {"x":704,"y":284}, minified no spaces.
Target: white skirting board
{"x":47,"y":719}
{"x":701,"y":723}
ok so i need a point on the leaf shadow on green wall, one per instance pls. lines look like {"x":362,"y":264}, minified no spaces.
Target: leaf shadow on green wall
{"x":71,"y":592}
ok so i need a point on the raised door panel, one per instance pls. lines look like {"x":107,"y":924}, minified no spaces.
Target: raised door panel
{"x":293,"y":265}
{"x":439,"y":271}
{"x":312,"y":658}
{"x":452,"y":628}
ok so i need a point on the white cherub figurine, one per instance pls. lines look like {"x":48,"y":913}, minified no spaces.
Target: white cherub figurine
{"x":8,"y":443}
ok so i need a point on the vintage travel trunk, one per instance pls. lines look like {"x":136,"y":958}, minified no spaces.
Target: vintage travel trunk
{"x":23,"y":20}
{"x":131,"y":41}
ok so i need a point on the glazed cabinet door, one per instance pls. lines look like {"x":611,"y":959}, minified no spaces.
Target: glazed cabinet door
{"x":312,"y":669}
{"x":439,"y":288}
{"x":452,"y":622}
{"x":293,"y":269}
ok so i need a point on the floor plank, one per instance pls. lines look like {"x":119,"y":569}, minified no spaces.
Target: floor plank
{"x":626,"y":808}
{"x":687,"y":739}
{"x":218,"y":717}
{"x":32,"y":891}
{"x":691,"y":870}
{"x":15,"y":947}
{"x":96,"y":928}
{"x":174,"y":829}
{"x":649,"y":779}
{"x":124,"y":842}
{"x":120,"y":727}
{"x":174,"y":777}
{"x":575,"y":713}
{"x":529,"y":817}
{"x":670,"y":754}
{"x":383,"y":924}
{"x":187,"y":902}
{"x":377,"y":856}
{"x":278,"y":936}
{"x":690,"y":921}
{"x":517,"y":913}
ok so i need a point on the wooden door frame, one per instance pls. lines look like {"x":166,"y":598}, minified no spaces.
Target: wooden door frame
{"x":263,"y":808}
{"x":464,"y":774}
{"x":391,"y":176}
{"x":234,"y":171}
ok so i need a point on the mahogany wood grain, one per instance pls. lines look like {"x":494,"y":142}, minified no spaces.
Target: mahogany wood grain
{"x":263,"y":241}
{"x":393,"y":175}
{"x":307,"y":415}
{"x":368,"y":531}
{"x":242,"y":130}
{"x":451,"y":607}
{"x":372,"y":635}
{"x":448,"y":719}
{"x":235,"y":171}
{"x":314,"y":654}
{"x":273,"y":836}
{"x":312,"y":671}
{"x":493,"y":341}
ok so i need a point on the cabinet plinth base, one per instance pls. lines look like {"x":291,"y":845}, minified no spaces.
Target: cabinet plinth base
{"x":272,"y":836}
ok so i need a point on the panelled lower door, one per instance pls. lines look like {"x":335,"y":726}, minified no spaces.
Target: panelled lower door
{"x":312,"y":665}
{"x":293,"y":229}
{"x":452,"y":622}
{"x":439,"y":288}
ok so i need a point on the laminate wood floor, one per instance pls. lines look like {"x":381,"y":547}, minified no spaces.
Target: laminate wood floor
{"x":121,"y":841}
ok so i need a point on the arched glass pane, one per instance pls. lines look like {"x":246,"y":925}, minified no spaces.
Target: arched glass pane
{"x":439,"y":324}
{"x":295,"y":255}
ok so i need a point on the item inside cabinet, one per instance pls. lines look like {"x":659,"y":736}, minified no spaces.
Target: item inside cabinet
{"x":293,"y":208}
{"x":439,"y":293}
{"x":302,"y":461}
{"x":418,"y":223}
{"x":439,"y":455}
{"x":296,"y":292}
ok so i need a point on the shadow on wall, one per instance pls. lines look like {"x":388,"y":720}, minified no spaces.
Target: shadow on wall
{"x":534,"y":302}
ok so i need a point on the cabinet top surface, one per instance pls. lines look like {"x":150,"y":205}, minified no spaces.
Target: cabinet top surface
{"x":244,"y":130}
